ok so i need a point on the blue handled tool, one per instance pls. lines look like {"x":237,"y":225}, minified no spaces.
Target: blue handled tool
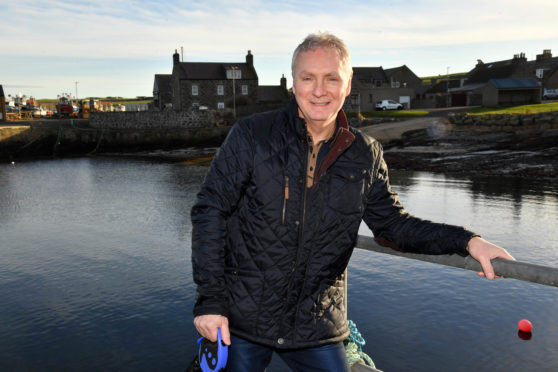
{"x":212,"y":355}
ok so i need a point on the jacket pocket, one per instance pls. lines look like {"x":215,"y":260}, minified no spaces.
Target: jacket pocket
{"x":346,"y":189}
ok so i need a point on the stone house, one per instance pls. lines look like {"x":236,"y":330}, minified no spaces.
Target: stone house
{"x":514,"y":81}
{"x":372,"y":84}
{"x":545,"y":69}
{"x":216,"y":86}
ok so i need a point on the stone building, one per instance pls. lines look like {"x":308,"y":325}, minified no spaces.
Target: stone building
{"x":216,"y":86}
{"x":545,"y":69}
{"x":162,"y":92}
{"x":372,"y":84}
{"x":513,"y":81}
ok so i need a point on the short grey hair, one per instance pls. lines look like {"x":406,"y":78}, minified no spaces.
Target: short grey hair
{"x":323,"y":40}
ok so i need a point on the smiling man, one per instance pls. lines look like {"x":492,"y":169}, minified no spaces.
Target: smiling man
{"x":277,"y":218}
{"x":321,"y":82}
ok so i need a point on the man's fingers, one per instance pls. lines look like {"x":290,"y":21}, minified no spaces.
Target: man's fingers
{"x":487,"y":268}
{"x":225,"y":333}
{"x":207,"y":326}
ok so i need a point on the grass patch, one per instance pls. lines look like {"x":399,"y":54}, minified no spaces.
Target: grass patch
{"x":516,"y":110}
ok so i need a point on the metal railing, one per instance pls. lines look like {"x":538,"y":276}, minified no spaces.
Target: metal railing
{"x":510,"y":269}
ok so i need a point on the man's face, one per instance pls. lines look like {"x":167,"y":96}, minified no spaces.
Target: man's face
{"x":320,"y":84}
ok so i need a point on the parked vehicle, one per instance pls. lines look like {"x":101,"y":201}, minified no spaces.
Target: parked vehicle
{"x":388,"y":104}
{"x":550,"y":94}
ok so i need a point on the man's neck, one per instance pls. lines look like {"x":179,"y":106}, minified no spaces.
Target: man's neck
{"x":321,"y":132}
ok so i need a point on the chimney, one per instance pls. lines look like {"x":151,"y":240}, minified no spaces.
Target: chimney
{"x":284,"y":82}
{"x":250,"y":59}
{"x":546,"y":54}
{"x":480,"y":62}
{"x":175,"y":58}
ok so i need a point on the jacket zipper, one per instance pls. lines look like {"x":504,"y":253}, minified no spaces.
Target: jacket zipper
{"x":285,"y":198}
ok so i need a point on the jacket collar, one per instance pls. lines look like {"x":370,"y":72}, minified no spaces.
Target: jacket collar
{"x":342,"y":138}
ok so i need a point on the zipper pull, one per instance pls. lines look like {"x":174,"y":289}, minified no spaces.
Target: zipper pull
{"x":285,"y":198}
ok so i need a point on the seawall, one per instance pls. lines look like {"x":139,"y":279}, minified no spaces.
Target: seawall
{"x":114,"y":132}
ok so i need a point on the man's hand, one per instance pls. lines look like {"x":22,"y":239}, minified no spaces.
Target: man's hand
{"x":207,"y":327}
{"x":484,"y":251}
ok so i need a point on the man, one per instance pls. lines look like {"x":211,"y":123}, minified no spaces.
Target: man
{"x":277,"y":217}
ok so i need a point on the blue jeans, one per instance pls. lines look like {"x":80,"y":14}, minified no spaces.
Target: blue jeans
{"x":245,"y":356}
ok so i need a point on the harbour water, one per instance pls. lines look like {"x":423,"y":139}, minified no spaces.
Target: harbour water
{"x":95,"y":272}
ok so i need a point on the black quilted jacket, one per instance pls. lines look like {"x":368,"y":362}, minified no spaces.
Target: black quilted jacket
{"x":269,"y":253}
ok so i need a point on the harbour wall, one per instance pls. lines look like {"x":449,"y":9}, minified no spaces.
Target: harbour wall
{"x":110,"y":132}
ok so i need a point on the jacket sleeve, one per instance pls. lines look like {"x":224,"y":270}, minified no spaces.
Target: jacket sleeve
{"x":394,"y":227}
{"x":220,"y":192}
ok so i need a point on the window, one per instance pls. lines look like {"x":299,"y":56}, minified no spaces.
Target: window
{"x":245,"y":90}
{"x":395,"y":84}
{"x":194,"y":90}
{"x":220,"y":105}
{"x":539,"y":73}
{"x":220,"y":90}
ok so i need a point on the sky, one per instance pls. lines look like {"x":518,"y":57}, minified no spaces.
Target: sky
{"x":114,"y":47}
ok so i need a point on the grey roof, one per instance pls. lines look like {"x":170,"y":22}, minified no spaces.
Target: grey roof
{"x":368,"y":74}
{"x":390,"y":71}
{"x":215,"y":70}
{"x":548,"y":63}
{"x":515,"y":83}
{"x":493,"y":70}
{"x":272,"y":93}
{"x":467,"y":87}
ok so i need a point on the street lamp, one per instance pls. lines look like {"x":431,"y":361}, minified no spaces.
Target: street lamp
{"x":234,"y":69}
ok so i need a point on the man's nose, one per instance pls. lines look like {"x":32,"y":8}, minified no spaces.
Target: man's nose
{"x":319,"y":88}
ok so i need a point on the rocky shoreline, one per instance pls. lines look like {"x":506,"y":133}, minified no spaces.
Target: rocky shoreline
{"x":526,"y":150}
{"x":503,"y":145}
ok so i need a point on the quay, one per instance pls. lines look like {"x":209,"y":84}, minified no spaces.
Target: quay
{"x":76,"y":137}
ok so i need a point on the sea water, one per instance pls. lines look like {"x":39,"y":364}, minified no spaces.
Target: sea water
{"x":95,"y":272}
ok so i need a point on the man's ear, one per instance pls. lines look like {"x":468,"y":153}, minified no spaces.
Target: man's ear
{"x":349,"y":85}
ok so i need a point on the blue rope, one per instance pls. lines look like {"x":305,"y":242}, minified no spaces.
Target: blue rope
{"x":353,"y":347}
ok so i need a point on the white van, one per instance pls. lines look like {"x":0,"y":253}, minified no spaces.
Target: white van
{"x":388,"y":104}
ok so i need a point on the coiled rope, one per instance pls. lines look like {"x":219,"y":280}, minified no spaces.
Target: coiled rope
{"x":353,"y":347}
